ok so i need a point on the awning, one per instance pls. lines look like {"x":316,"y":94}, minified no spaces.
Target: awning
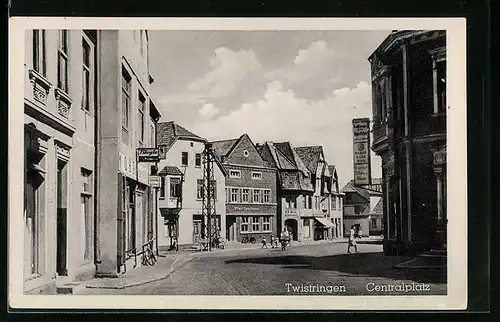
{"x":325,"y":222}
{"x":168,"y":212}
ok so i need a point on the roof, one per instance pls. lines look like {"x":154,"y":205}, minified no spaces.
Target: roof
{"x":351,"y":188}
{"x":222,"y":148}
{"x":310,"y":156}
{"x":170,"y":170}
{"x":169,"y":132}
{"x":379,"y":208}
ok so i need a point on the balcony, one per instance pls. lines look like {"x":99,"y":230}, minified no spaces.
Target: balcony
{"x":381,"y":133}
{"x":170,"y":203}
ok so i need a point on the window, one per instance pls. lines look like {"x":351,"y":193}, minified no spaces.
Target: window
{"x":140,"y":119}
{"x":266,"y":224}
{"x":441,"y":85}
{"x":62,"y":61}
{"x":175,"y":187}
{"x":267,"y":196}
{"x":256,"y":196}
{"x":199,"y":189}
{"x":86,"y":181}
{"x":255,"y":224}
{"x":235,"y":174}
{"x":197,"y":160}
{"x":304,"y":199}
{"x":244,"y":224}
{"x":310,"y":202}
{"x":184,"y":160}
{"x":86,"y":74}
{"x":334,"y":203}
{"x":152,"y":135}
{"x":257,"y":175}
{"x":234,"y":194}
{"x":39,"y":55}
{"x":213,"y":189}
{"x":374,"y":223}
{"x":245,"y":195}
{"x":125,"y":105}
{"x":162,"y":187}
{"x":141,"y":39}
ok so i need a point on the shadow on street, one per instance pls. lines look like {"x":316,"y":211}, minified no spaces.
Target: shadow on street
{"x":367,"y":264}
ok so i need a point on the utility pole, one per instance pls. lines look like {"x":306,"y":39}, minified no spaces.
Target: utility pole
{"x":208,"y":206}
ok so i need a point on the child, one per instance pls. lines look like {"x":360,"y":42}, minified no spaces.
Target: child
{"x":264,"y":243}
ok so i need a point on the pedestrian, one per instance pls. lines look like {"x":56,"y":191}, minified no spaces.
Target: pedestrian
{"x":264,"y":242}
{"x":351,"y":241}
{"x":360,"y":233}
{"x":284,"y":239}
{"x":273,"y":241}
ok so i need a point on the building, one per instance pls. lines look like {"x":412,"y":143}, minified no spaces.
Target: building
{"x":316,"y":225}
{"x":126,"y":120}
{"x":294,"y":189}
{"x":408,"y":72}
{"x":362,"y":208}
{"x":59,"y":143}
{"x":336,"y":204}
{"x":251,"y":190}
{"x":181,"y":171}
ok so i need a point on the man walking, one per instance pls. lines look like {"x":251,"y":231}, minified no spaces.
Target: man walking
{"x":352,"y":241}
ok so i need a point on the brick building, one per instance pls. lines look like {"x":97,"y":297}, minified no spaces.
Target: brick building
{"x":409,"y":133}
{"x":294,"y":186}
{"x":251,"y":190}
{"x":180,"y":197}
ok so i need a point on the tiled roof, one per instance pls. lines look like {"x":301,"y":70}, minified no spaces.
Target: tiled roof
{"x":350,"y":187}
{"x":310,"y":156}
{"x":169,"y":132}
{"x":170,"y":171}
{"x":222,"y":148}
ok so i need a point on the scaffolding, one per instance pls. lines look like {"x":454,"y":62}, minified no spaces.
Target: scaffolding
{"x":210,"y":228}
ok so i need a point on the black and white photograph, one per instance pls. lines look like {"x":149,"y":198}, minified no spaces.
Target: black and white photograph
{"x":271,"y":163}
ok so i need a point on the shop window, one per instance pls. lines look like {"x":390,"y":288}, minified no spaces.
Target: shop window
{"x":244,"y":224}
{"x":306,"y":229}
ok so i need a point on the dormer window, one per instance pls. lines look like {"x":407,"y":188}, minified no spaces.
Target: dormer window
{"x":257,"y":175}
{"x":235,"y":174}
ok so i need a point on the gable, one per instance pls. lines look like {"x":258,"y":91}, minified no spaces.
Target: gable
{"x":244,"y":152}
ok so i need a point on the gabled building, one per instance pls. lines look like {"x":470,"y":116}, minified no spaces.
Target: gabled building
{"x":317,"y":225}
{"x":336,"y":204}
{"x":361,"y":206}
{"x":251,"y":190}
{"x":294,"y":189}
{"x":181,"y":170}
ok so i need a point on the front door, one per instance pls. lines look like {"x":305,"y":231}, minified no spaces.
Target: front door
{"x":61,"y":233}
{"x":196,"y":231}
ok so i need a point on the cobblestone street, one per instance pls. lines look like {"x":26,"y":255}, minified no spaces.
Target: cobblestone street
{"x":302,"y":270}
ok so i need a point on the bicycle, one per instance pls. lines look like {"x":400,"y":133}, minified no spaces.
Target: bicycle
{"x":246,"y":240}
{"x":148,"y":255}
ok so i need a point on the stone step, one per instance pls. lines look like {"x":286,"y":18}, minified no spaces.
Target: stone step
{"x":69,"y":288}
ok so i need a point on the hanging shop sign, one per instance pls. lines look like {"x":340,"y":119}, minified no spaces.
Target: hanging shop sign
{"x":148,"y":155}
{"x":361,"y":151}
{"x":154,"y":181}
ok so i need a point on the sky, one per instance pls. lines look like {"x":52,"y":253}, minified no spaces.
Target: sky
{"x":299,"y":86}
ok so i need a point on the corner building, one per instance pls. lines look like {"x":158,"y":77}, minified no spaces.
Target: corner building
{"x":409,"y":133}
{"x":251,"y":190}
{"x":126,"y":121}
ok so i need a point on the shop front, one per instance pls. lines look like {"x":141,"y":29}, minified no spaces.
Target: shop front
{"x":256,"y":221}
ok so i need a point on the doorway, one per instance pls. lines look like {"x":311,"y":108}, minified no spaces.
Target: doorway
{"x":196,"y":231}
{"x":62,"y":207}
{"x":291,"y":226}
{"x":231,"y":228}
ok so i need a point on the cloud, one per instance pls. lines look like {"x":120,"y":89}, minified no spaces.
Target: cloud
{"x":208,"y":111}
{"x":314,"y":62}
{"x":282,"y":116}
{"x":228,"y":69}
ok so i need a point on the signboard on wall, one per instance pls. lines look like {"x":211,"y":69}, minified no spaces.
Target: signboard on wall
{"x":148,"y":155}
{"x":361,"y":151}
{"x":154,"y":181}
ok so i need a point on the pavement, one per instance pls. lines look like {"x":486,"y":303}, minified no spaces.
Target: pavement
{"x":242,"y":271}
